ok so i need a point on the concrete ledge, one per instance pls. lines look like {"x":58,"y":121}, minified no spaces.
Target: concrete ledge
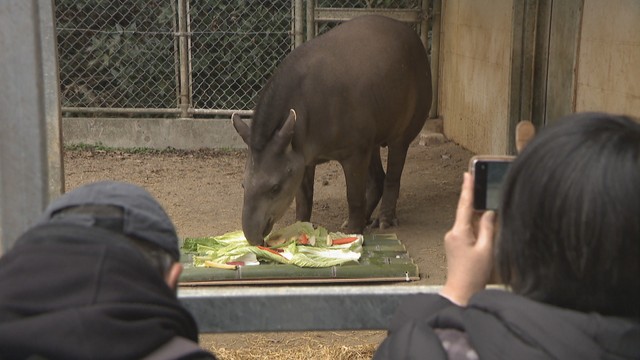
{"x":432,"y":133}
{"x":431,"y":138}
{"x":305,"y":308}
{"x":434,"y":125}
{"x":151,"y":133}
{"x":185,"y":134}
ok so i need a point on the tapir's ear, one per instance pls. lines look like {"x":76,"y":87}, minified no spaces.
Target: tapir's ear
{"x":285,"y":134}
{"x":525,"y":131}
{"x":241,"y":127}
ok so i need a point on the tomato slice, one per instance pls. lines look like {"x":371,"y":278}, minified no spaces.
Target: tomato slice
{"x":303,"y":239}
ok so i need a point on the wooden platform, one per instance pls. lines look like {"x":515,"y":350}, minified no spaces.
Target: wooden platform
{"x":384,"y":259}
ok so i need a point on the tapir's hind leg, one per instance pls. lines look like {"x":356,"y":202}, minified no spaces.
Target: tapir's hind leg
{"x":304,"y":196}
{"x":375,"y":183}
{"x":398,"y":155}
{"x":355,"y":172}
{"x":395,"y":164}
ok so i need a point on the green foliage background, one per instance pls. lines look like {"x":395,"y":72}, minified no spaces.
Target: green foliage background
{"x":116,"y":53}
{"x":124,"y":54}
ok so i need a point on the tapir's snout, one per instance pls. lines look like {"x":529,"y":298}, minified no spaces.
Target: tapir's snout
{"x":256,"y":231}
{"x":254,"y":237}
{"x":267,"y":228}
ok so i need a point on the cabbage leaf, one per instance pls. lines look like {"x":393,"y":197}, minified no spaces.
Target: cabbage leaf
{"x":318,"y":251}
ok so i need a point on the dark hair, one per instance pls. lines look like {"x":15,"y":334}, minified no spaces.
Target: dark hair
{"x":158,"y":258}
{"x":570,"y":216}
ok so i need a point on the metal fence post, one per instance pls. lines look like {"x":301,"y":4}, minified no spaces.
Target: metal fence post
{"x":30,"y":161}
{"x":176,"y":48}
{"x":298,"y":22}
{"x":424,"y":24}
{"x":52,"y":108}
{"x":311,"y":19}
{"x":435,"y":56}
{"x":183,"y":33}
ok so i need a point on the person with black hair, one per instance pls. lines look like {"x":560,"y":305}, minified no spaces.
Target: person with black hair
{"x":96,"y":278}
{"x":567,"y":249}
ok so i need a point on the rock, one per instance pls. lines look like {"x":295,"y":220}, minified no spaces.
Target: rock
{"x":431,"y":138}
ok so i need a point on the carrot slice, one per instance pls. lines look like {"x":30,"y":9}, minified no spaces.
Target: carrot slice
{"x":346,"y":240}
{"x":269,"y":250}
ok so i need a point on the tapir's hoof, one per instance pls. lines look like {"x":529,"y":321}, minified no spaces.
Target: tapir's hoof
{"x":384,"y":224}
{"x":345,"y":228}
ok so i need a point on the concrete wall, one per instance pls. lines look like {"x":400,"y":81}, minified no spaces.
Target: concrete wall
{"x":474,"y":83}
{"x":609,"y":57}
{"x":475,"y":73}
{"x":151,"y":133}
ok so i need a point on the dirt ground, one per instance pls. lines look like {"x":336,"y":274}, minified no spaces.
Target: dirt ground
{"x":201,"y":191}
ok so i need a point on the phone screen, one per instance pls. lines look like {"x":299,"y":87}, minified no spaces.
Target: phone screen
{"x":488,"y":178}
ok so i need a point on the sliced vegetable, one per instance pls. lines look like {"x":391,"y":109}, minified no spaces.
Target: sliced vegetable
{"x":269,"y":250}
{"x":303,"y":239}
{"x":299,"y":244}
{"x":211,"y":264}
{"x":346,"y":240}
{"x":308,"y":256}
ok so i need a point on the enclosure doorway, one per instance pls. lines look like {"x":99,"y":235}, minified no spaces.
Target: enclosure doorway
{"x":546,"y":41}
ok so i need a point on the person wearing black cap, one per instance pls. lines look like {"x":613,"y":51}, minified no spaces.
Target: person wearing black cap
{"x":96,"y":278}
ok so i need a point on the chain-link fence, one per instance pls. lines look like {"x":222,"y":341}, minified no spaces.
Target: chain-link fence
{"x":117,"y":54}
{"x":234,"y":48}
{"x":336,"y":11}
{"x":188,"y":57}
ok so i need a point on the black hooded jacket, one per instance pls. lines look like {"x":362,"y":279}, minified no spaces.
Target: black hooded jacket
{"x":502,"y":325}
{"x":72,"y":292}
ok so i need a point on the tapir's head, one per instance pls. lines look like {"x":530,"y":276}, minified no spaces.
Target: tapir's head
{"x":272,"y":177}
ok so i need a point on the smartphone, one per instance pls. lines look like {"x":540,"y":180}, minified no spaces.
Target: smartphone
{"x":488,"y":174}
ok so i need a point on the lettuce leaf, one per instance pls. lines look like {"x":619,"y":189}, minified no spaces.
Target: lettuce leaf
{"x":235,"y":238}
{"x":319,"y":252}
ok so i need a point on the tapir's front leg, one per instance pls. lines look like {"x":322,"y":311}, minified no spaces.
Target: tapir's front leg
{"x":304,"y":196}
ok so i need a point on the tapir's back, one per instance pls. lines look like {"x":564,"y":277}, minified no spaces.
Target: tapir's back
{"x":368,"y":76}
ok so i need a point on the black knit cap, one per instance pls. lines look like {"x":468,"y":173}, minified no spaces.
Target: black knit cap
{"x":142,"y":216}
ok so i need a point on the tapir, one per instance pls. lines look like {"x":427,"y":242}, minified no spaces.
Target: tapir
{"x":341,"y":96}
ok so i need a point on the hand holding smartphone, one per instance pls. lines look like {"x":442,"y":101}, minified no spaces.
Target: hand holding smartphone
{"x":488,"y":173}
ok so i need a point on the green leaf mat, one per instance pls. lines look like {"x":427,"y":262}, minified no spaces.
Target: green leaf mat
{"x":384,"y":259}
